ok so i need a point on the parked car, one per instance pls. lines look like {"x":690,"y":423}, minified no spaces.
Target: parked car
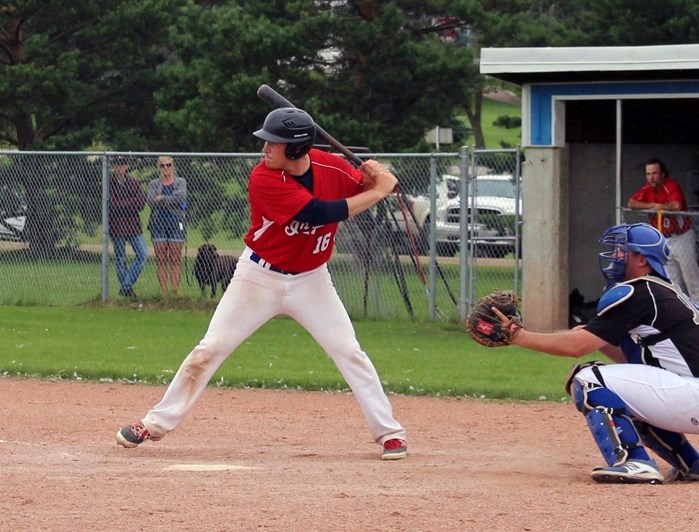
{"x":13,"y":214}
{"x":491,"y":228}
{"x":498,"y":202}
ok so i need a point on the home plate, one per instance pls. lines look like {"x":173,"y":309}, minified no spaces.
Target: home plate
{"x":208,"y":467}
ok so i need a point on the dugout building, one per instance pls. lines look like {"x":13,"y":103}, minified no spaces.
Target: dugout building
{"x":591,"y":117}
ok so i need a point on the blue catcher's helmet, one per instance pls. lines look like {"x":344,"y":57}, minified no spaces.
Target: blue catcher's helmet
{"x":642,"y":238}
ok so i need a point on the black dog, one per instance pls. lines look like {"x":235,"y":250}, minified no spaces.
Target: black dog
{"x":212,"y":269}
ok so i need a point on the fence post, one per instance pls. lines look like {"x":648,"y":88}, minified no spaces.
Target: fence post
{"x":465,"y":278}
{"x":105,"y":228}
{"x":432,"y":281}
{"x":518,"y":219}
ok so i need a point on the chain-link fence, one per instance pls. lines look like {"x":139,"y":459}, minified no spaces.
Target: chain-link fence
{"x":680,"y":229}
{"x":411,"y":256}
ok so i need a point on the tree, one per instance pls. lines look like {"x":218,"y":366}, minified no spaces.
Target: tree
{"x":181,"y":75}
{"x":73,"y":74}
{"x":551,"y":23}
{"x":76,"y":72}
{"x":398,"y":72}
{"x":375,"y":74}
{"x":632,"y":23}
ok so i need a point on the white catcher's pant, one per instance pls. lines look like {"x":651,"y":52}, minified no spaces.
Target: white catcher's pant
{"x":254,"y":296}
{"x":682,"y":266}
{"x":656,"y":396}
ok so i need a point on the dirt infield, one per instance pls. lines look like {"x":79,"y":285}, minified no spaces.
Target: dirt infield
{"x":286,"y":460}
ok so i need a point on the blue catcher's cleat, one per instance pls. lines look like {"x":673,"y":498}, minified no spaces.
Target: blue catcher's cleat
{"x":630,"y":472}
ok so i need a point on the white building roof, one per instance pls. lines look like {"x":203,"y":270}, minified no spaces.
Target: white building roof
{"x":587,"y":63}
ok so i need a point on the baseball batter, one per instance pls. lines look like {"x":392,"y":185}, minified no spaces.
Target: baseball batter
{"x":297,"y":195}
{"x":651,"y":329}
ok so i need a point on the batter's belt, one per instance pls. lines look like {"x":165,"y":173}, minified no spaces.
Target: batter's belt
{"x":254,"y":257}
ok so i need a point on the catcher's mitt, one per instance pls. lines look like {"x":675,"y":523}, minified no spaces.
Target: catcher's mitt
{"x":486,"y":327}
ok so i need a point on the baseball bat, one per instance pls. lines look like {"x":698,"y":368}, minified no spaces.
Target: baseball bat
{"x":272,"y":97}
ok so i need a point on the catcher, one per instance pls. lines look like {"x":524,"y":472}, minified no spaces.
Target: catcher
{"x":645,"y":324}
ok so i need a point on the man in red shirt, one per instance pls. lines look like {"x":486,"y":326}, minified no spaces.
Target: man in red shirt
{"x":663,"y":193}
{"x":298,"y":196}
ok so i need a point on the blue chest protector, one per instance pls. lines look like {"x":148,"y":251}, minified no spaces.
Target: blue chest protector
{"x":610,"y":299}
{"x":614,"y":296}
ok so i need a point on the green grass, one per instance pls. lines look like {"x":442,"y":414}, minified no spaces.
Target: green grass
{"x":148,"y":345}
{"x":221,"y":240}
{"x":495,"y":136}
{"x":77,"y":280}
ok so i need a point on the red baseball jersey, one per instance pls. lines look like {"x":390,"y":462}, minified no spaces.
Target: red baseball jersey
{"x":669,"y":190}
{"x":275,"y":198}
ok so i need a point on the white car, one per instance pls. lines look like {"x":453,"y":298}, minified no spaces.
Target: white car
{"x":448,"y":233}
{"x":492,"y":228}
{"x":498,"y":203}
{"x":496,"y":192}
{"x":13,"y":214}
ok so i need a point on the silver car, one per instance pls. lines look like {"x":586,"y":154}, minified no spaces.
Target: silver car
{"x":13,"y":214}
{"x":415,"y":221}
{"x":494,"y":201}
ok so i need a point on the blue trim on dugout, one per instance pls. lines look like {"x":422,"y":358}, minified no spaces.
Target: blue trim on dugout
{"x":541,"y":99}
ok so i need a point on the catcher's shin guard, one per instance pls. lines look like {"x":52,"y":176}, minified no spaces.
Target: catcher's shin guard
{"x":609,"y":421}
{"x":672,"y":447}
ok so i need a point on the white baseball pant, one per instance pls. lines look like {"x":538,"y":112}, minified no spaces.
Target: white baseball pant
{"x":254,"y":296}
{"x":682,"y":266}
{"x":659,"y":397}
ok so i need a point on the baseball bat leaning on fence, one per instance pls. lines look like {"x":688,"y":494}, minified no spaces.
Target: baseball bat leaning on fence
{"x":405,"y":207}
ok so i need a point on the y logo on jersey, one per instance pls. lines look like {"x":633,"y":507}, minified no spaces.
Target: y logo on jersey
{"x":296,"y":227}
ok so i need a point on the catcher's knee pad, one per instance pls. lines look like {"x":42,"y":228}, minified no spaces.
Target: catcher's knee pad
{"x":672,"y":447}
{"x":608,"y":419}
{"x":594,"y":364}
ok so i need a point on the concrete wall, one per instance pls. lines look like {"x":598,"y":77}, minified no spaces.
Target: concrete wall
{"x":593,"y":207}
{"x":545,"y":239}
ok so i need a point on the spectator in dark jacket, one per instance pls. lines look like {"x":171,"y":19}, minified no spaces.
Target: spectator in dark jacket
{"x":126,"y":201}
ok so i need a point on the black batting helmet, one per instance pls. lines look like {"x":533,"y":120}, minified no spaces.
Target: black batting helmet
{"x":290,"y":126}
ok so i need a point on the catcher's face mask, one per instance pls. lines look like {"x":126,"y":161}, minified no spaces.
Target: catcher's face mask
{"x":643,"y":239}
{"x":612,"y":263}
